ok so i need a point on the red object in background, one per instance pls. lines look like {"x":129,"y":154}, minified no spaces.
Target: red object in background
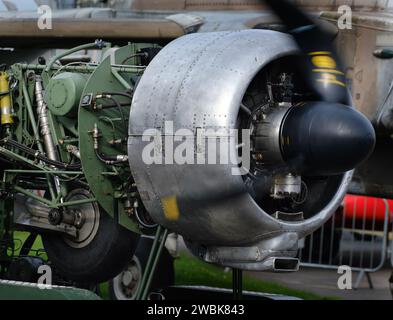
{"x":361,"y":211}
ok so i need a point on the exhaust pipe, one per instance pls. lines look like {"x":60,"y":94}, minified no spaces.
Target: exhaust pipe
{"x":285,"y":264}
{"x":272,"y":264}
{"x":281,"y":264}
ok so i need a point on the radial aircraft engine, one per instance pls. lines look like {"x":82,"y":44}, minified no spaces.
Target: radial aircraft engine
{"x":242,"y":142}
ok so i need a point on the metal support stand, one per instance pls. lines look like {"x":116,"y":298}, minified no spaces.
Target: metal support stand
{"x":154,"y":256}
{"x":370,"y":282}
{"x":360,"y":277}
{"x":237,"y":283}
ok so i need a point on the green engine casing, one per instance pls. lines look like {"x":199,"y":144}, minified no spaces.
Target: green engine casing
{"x":63,"y":93}
{"x":107,"y":183}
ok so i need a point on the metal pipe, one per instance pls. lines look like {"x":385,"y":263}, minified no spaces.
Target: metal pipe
{"x":84,"y":68}
{"x":40,"y":156}
{"x":76,"y":202}
{"x":54,"y":172}
{"x":34,"y":196}
{"x":46,"y":133}
{"x":154,"y":266}
{"x":43,"y":120}
{"x":66,"y":29}
{"x":74,"y":151}
{"x":33,"y":123}
{"x":149,"y":263}
{"x":35,"y":129}
{"x":108,"y":160}
{"x":95,"y":45}
{"x":116,"y":74}
{"x":17,"y":157}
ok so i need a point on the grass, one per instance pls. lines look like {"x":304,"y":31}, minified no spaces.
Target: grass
{"x":192,"y":271}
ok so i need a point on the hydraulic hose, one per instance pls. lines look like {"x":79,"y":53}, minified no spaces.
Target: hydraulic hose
{"x":38,"y":155}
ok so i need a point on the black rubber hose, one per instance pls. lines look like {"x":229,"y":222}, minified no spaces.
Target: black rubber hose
{"x":41,"y":157}
{"x":118,"y":105}
{"x":111,"y":160}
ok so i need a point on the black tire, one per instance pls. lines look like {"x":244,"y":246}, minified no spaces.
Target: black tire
{"x":102,"y":259}
{"x":163,"y":277}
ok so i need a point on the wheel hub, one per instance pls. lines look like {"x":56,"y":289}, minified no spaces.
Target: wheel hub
{"x":86,"y":219}
{"x":127,"y":283}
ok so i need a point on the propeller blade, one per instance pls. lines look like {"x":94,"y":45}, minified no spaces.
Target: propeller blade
{"x":322,"y":67}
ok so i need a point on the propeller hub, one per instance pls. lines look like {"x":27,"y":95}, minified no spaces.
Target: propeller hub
{"x":315,"y":138}
{"x":320,"y":138}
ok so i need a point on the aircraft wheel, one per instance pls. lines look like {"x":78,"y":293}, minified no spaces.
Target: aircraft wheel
{"x":125,"y":285}
{"x":100,"y":251}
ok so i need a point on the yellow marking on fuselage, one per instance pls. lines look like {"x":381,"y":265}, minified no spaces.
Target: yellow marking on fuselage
{"x":171,"y":208}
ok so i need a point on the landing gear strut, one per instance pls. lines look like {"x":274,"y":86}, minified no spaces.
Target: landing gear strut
{"x":237,"y":284}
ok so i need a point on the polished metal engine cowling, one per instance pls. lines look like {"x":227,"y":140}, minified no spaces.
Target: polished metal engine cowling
{"x":199,"y":81}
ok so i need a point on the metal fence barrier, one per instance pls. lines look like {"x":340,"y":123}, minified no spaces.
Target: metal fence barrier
{"x":356,"y":236}
{"x":391,"y":264}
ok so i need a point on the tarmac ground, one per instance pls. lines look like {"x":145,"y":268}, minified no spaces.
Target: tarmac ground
{"x":324,"y":283}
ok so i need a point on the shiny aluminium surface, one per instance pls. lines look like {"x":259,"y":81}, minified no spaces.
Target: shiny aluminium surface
{"x":198,"y":81}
